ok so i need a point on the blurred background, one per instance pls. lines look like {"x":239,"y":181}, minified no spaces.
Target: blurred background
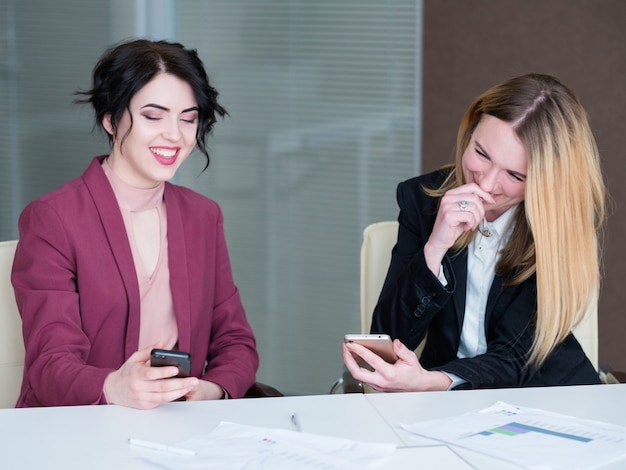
{"x":332,"y":103}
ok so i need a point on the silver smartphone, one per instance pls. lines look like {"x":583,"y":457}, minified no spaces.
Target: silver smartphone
{"x":379,"y":344}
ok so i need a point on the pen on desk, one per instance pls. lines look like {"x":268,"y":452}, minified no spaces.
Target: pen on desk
{"x":161,"y":447}
{"x":296,"y":422}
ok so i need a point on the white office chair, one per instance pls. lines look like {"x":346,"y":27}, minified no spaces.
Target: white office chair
{"x":378,"y":240}
{"x":11,"y":343}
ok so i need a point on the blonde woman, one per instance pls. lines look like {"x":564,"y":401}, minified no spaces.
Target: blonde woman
{"x":497,"y":257}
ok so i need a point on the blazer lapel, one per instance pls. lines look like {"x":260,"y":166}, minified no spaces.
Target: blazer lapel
{"x":179,"y":272}
{"x":459,"y":264}
{"x":113,"y":226}
{"x":494,"y":294}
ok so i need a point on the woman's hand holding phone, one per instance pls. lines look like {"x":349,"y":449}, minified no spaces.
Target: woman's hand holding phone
{"x":406,"y":374}
{"x":379,"y":344}
{"x":204,"y":391}
{"x":138,"y":385}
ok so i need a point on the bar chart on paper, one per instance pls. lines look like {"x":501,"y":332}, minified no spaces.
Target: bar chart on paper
{"x":517,"y":429}
{"x":529,"y":437}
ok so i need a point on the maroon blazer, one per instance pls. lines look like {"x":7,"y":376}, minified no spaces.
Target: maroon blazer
{"x":78,"y":295}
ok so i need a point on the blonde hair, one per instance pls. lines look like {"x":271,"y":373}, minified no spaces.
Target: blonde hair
{"x":557,"y":228}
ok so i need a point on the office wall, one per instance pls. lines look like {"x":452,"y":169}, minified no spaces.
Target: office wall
{"x":469,"y":46}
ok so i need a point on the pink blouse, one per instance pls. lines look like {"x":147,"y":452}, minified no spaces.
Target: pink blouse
{"x":145,"y":219}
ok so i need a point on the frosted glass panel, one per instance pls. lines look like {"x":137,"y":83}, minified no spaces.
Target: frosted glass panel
{"x":322,"y":128}
{"x":324,"y":106}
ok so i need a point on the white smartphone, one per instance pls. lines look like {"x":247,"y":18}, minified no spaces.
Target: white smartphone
{"x":377,"y":343}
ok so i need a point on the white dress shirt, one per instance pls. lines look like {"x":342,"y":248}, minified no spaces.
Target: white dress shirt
{"x":482,"y":255}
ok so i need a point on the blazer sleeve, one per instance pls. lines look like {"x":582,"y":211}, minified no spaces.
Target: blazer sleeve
{"x":232,"y":358}
{"x":510,"y":331}
{"x":45,"y":284}
{"x":212,"y":323}
{"x":412,"y":295}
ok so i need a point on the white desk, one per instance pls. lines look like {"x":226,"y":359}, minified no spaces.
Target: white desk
{"x":96,"y":437}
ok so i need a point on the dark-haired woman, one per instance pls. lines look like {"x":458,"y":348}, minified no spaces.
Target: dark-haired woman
{"x":120,"y":261}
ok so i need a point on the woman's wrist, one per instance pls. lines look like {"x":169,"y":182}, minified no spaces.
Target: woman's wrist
{"x":213,"y":391}
{"x":106,"y":389}
{"x":433,"y":259}
{"x":437,"y":381}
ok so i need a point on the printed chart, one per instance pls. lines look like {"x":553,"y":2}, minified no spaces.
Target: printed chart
{"x":530,"y":437}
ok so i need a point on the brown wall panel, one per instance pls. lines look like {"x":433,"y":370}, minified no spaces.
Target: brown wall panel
{"x":470,"y":45}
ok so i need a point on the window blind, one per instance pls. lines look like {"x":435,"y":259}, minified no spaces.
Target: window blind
{"x":324,"y":102}
{"x":47,"y":50}
{"x":323,"y":110}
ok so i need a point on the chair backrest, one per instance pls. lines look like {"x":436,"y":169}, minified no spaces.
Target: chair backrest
{"x":11,"y":342}
{"x":378,"y":241}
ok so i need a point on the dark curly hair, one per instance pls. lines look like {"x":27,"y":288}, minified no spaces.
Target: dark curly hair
{"x":127,"y":67}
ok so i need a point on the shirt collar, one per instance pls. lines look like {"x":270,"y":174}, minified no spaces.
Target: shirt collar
{"x":500,"y":228}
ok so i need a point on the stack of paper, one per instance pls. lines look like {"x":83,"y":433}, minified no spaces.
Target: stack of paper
{"x":235,"y":446}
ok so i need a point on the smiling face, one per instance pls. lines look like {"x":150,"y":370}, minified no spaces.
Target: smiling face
{"x":496,"y":160}
{"x":160,"y":137}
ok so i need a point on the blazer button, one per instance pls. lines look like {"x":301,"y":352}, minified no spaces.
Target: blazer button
{"x":419,"y":311}
{"x":425,"y":300}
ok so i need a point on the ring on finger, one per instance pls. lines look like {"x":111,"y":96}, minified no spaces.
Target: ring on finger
{"x":463,"y":204}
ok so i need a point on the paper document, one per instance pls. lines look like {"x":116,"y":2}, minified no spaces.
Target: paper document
{"x":529,"y":437}
{"x":235,"y":446}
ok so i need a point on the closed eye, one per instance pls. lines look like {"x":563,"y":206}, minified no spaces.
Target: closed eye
{"x":482,"y":154}
{"x":190,"y":115}
{"x":517,"y":176}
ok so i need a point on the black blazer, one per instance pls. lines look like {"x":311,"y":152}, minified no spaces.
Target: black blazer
{"x":414,"y":302}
